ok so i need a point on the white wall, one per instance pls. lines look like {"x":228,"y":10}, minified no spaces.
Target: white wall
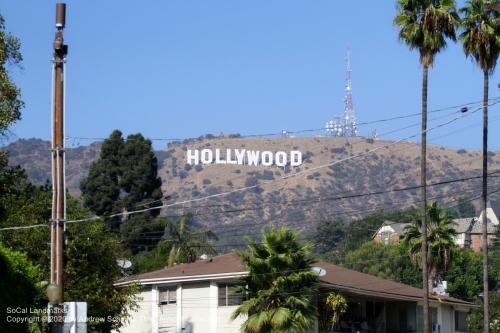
{"x":447,"y":320}
{"x":196,"y":308}
{"x":140,"y":320}
{"x":167,"y":318}
{"x":224,"y":322}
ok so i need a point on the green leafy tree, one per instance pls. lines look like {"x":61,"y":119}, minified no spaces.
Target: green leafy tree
{"x":148,"y":261}
{"x":10,"y":102}
{"x":101,"y":188}
{"x":384,"y":261}
{"x":424,"y":25}
{"x":187,"y":244}
{"x":327,"y":236}
{"x":280,"y":285}
{"x":481,"y":41}
{"x":362,"y":230}
{"x":24,"y":204}
{"x":338,"y":305}
{"x":464,"y":275}
{"x":480,"y":38}
{"x":124,"y":179}
{"x":19,"y":286}
{"x":441,"y":240}
{"x":334,"y":239}
{"x":91,"y":270}
{"x":91,"y":251}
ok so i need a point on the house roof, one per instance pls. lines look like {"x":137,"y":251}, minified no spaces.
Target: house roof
{"x":227,"y":263}
{"x":362,"y":283}
{"x":398,"y":227}
{"x":230,"y":265}
{"x":463,"y":225}
{"x":477,"y":227}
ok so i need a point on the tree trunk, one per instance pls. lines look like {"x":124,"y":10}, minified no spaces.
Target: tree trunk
{"x":484,"y":196}
{"x":432,"y":278}
{"x":423,"y":183}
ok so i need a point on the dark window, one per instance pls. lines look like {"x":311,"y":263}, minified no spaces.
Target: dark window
{"x":167,"y":295}
{"x":228,"y":296}
{"x":461,"y":321}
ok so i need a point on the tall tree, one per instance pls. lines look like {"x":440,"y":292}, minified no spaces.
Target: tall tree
{"x":10,"y":102}
{"x":124,"y":179}
{"x":424,"y":26}
{"x":280,"y":285}
{"x":101,"y":188}
{"x":441,"y":241}
{"x":187,"y":244}
{"x":481,"y":41}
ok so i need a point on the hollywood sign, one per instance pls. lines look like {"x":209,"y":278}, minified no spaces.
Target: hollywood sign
{"x":244,"y":157}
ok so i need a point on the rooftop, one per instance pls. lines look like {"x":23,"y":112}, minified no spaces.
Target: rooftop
{"x":230,"y":265}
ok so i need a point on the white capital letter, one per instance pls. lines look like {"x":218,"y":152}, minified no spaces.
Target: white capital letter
{"x":267,"y":158}
{"x":206,"y":156}
{"x":217,"y":157}
{"x":228,"y":157}
{"x":281,"y":159}
{"x":253,"y":157}
{"x":240,"y":156}
{"x":295,"y":158}
{"x":193,"y":157}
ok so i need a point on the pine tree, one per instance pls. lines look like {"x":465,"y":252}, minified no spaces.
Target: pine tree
{"x":124,"y":179}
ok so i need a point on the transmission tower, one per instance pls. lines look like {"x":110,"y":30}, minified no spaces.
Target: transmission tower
{"x":349,"y":121}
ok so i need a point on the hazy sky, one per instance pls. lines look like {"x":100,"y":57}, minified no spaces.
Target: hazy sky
{"x":182,"y":68}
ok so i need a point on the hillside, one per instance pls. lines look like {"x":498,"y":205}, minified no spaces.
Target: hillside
{"x":314,"y":194}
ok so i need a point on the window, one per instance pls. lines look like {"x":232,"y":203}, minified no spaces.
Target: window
{"x":386,"y":237}
{"x":228,"y":295}
{"x":167,"y":295}
{"x":461,"y":321}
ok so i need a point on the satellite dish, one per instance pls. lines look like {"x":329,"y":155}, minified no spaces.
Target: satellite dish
{"x":320,"y":271}
{"x":124,"y":263}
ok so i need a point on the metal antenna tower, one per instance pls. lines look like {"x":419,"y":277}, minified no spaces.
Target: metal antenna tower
{"x":349,"y":121}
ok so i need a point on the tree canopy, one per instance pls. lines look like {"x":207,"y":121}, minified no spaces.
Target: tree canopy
{"x":10,"y":96}
{"x":123,"y":179}
{"x":280,"y":285}
{"x":425,"y":24}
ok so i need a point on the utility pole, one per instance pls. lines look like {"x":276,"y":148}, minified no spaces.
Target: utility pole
{"x":55,"y":291}
{"x":423,"y":181}
{"x":484,"y":194}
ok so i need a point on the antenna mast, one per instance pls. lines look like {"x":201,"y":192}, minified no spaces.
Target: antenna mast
{"x":350,"y":128}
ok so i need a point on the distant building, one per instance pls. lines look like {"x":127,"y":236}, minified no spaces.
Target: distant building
{"x":199,"y":298}
{"x":469,"y":230}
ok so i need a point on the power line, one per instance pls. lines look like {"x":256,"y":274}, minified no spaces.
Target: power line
{"x":279,"y":179}
{"x":302,"y":131}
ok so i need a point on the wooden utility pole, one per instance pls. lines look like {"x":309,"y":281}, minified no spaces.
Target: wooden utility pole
{"x":58,"y":184}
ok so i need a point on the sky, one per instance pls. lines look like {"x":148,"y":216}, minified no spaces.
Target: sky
{"x":184,"y":68}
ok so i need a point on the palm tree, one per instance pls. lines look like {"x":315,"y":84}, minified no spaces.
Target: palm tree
{"x":280,"y":285}
{"x":186,"y":244}
{"x":481,"y":41}
{"x":424,"y":25}
{"x":441,"y":241}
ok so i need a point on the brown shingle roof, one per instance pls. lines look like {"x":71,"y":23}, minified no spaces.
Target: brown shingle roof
{"x":227,"y":263}
{"x":363,"y":283}
{"x":340,"y":277}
